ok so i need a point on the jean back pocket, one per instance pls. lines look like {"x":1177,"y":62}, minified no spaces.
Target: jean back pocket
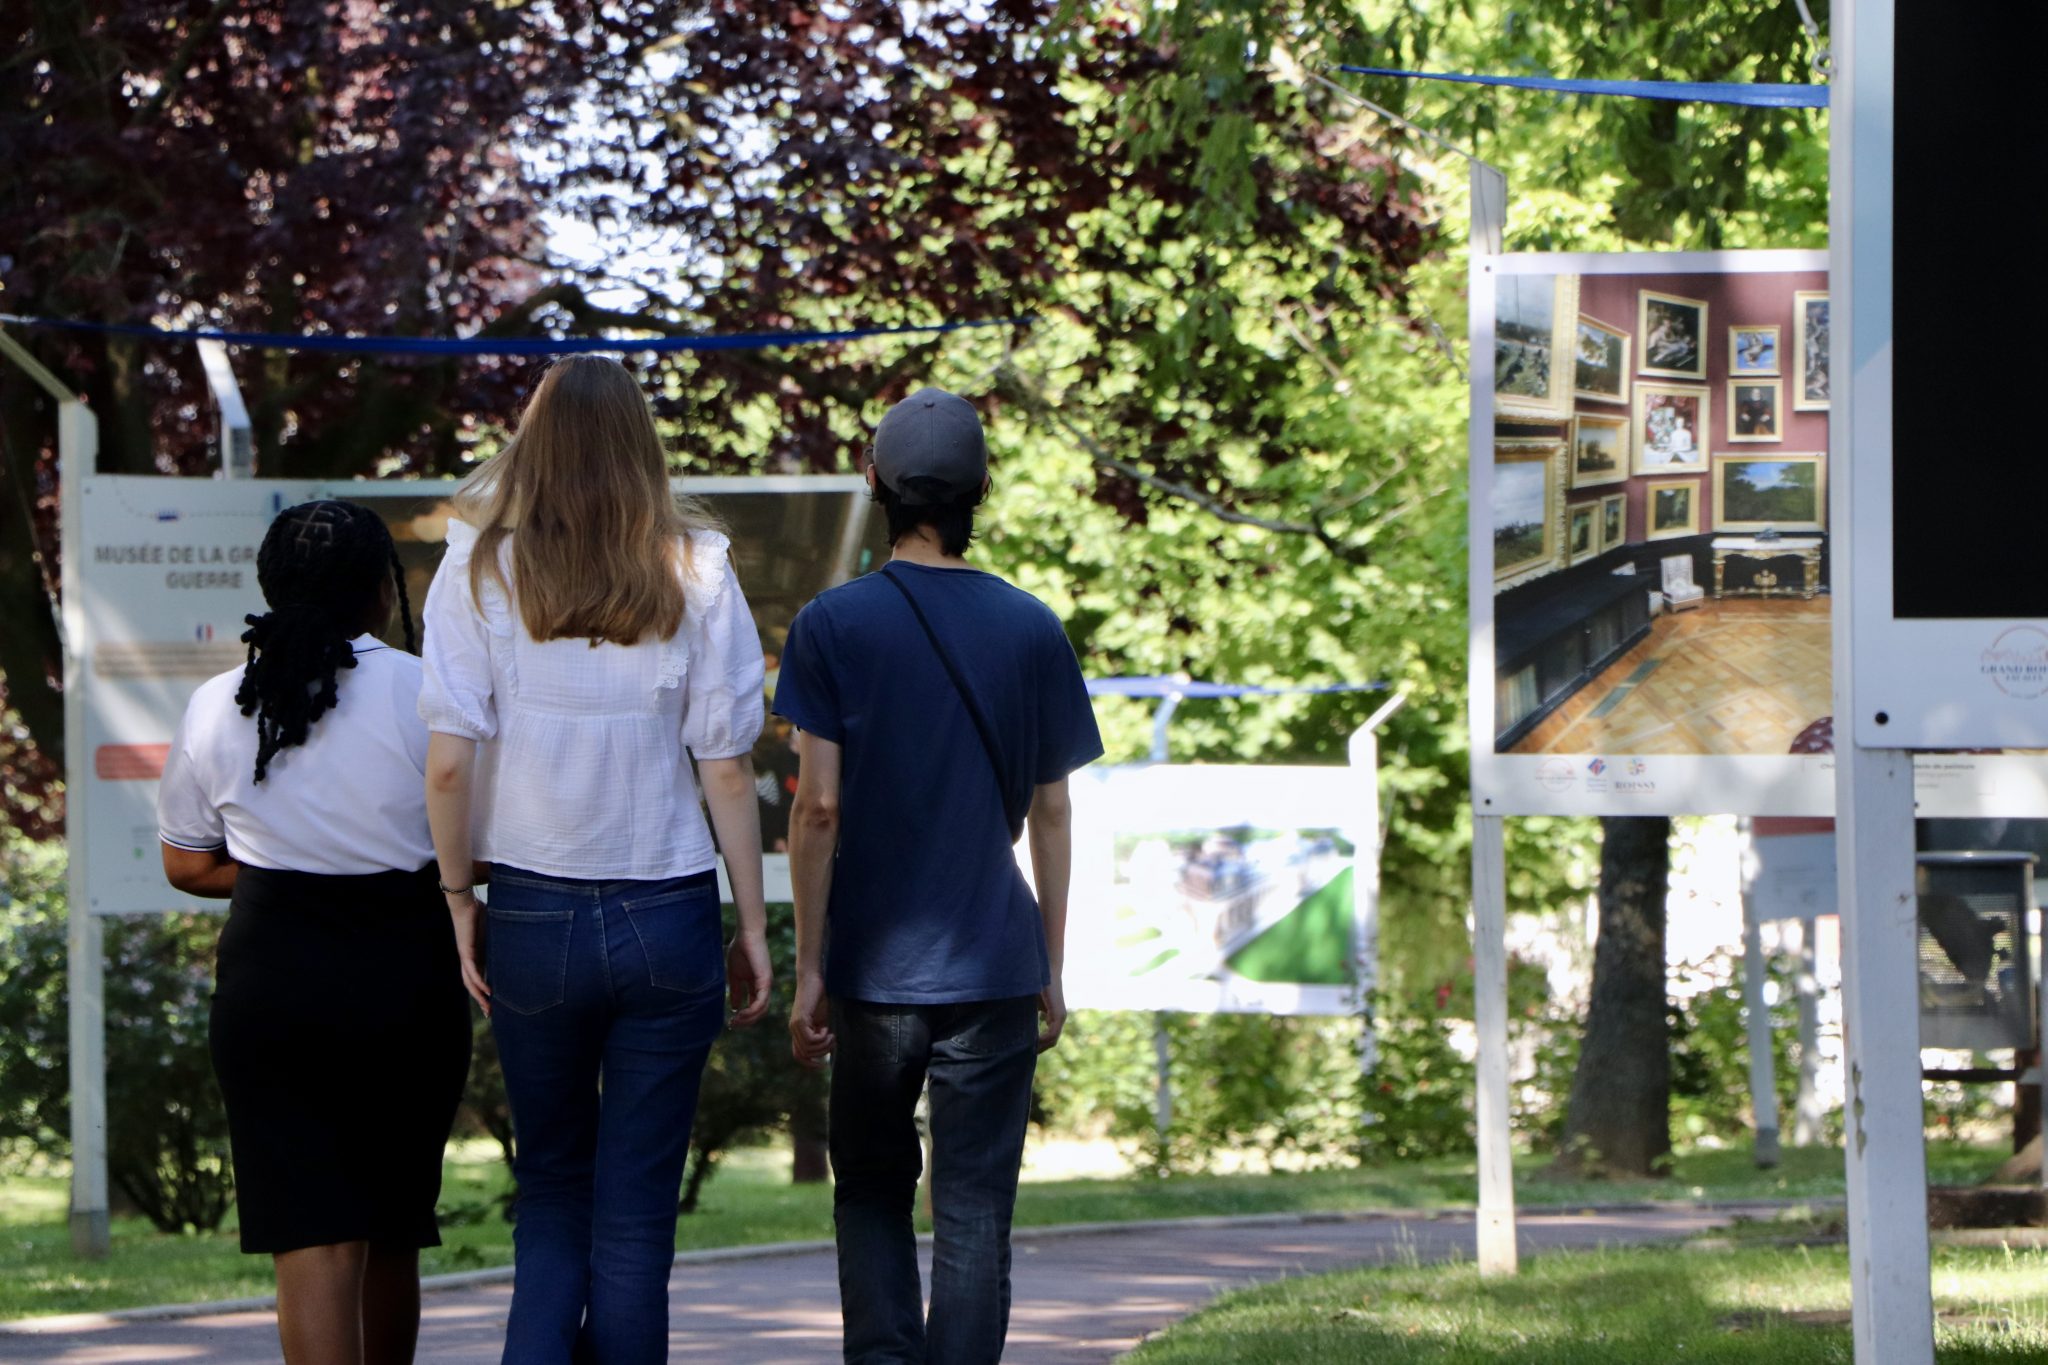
{"x":680,"y":938}
{"x":527,"y":957}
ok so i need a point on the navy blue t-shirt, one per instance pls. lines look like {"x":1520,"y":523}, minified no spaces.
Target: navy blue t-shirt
{"x":928,"y":904}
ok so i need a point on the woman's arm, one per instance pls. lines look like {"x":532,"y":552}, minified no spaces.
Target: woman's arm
{"x":451,"y":776}
{"x":207,"y":872}
{"x":736,"y":816}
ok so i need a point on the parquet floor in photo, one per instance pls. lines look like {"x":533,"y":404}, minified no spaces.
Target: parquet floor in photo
{"x":1738,"y":676}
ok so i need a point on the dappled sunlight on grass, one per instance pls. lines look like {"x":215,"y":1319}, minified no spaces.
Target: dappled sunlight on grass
{"x":1787,"y":1307}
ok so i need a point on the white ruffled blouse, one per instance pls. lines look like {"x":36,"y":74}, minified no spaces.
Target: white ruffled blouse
{"x":583,"y":761}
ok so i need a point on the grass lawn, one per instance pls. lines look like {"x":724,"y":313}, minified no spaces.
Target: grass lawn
{"x":750,"y":1200}
{"x":1741,"y":1307}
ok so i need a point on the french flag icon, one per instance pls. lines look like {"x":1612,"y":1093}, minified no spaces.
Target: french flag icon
{"x":203,"y":633}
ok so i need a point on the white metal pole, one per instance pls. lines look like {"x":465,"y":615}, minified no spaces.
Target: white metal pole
{"x":237,"y":439}
{"x":1763,"y":1073}
{"x":1490,"y":1011}
{"x":1891,"y":1297}
{"x":1368,"y":838}
{"x":1496,"y":1230}
{"x":85,"y":966}
{"x":1806,"y":1122}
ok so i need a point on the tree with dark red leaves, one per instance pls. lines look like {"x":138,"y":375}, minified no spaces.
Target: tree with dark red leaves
{"x":391,"y":169}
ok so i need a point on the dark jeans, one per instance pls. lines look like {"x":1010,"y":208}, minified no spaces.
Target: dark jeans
{"x":606,"y":997}
{"x":980,"y":1056}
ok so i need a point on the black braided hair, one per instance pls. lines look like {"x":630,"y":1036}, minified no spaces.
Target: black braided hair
{"x":321,"y":567}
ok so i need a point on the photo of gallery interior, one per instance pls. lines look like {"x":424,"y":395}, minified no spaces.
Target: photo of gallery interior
{"x":1659,"y":513}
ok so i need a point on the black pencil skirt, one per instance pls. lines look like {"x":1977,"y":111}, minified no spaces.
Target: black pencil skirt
{"x":340,"y":1033}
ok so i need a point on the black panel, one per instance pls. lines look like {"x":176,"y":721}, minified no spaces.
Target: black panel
{"x":1969,"y":465}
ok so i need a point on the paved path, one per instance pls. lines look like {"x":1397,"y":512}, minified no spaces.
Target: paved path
{"x":1081,"y":1296}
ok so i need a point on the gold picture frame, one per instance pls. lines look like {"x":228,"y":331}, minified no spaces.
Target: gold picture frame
{"x":1673,"y":332}
{"x":1770,"y":491}
{"x":1581,"y":532}
{"x":1613,"y":521}
{"x":1756,"y":411}
{"x":1812,"y":387}
{"x":1527,"y":497}
{"x":1600,"y":449}
{"x":1672,"y":422}
{"x":1535,"y":327}
{"x":1754,"y":351}
{"x":1671,"y":508}
{"x":1600,"y":370}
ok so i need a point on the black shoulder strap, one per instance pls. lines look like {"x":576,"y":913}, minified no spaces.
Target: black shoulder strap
{"x":981,"y":727}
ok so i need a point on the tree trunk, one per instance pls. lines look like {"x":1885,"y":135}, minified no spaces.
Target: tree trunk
{"x":1618,"y":1122}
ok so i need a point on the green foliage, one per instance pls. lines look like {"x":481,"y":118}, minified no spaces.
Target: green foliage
{"x":751,"y":1086}
{"x":167,"y":1140}
{"x":1285,"y":1089}
{"x":1417,"y":1102}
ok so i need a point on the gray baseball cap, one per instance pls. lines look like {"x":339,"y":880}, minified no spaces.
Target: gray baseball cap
{"x":929,"y":448}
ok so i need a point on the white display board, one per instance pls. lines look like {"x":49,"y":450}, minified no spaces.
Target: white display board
{"x":1716,"y":700}
{"x":1214,"y":888}
{"x":167,"y":572}
{"x":1788,"y":875}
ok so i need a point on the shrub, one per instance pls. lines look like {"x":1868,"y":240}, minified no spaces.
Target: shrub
{"x":167,"y":1134}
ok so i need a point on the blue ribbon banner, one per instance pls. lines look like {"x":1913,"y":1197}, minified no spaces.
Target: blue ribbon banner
{"x":507,"y":346}
{"x":1702,"y":92}
{"x":1167,"y":687}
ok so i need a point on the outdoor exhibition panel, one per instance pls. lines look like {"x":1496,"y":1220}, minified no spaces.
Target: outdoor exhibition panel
{"x":167,"y":571}
{"x":1217,"y":888}
{"x":1951,"y":601}
{"x":1650,"y":571}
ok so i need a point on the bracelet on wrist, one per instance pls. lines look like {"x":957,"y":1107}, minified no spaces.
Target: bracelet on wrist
{"x":448,"y":890}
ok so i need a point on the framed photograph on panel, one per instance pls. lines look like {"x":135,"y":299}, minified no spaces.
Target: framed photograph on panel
{"x":1753,"y":351}
{"x":1671,"y":428}
{"x":1753,"y":409}
{"x":1534,"y":335}
{"x":1771,"y":492}
{"x":1528,"y":509}
{"x":1674,"y":332}
{"x":1613,"y":521}
{"x":1599,"y":449}
{"x":1810,"y":340}
{"x":1581,"y":532}
{"x":1673,"y":506}
{"x":1600,"y":373}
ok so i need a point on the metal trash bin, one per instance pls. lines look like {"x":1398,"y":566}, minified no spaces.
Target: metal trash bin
{"x":1976,"y":974}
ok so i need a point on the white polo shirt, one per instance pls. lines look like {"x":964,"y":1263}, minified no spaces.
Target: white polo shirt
{"x":350,"y":800}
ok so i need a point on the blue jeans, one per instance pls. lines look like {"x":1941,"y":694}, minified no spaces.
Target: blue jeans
{"x":606,"y":997}
{"x":980,"y":1057}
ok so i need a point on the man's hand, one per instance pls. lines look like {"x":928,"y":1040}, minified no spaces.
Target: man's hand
{"x":810,"y":1031}
{"x":748,"y":977}
{"x":469,"y":941}
{"x":1052,"y":1004}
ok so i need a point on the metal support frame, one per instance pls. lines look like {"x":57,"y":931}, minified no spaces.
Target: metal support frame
{"x":1496,"y":1230}
{"x":1891,"y":1295}
{"x":1369,"y":835}
{"x":78,"y":446}
{"x":1763,"y":1071}
{"x":237,"y":438}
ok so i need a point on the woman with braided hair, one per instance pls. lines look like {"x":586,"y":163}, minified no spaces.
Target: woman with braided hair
{"x":586,"y":641}
{"x":339,"y":1030}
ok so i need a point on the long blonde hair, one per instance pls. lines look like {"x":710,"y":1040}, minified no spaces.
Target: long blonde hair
{"x":584,"y":482}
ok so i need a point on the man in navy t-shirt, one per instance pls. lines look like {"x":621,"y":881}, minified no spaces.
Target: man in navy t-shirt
{"x":940,"y":711}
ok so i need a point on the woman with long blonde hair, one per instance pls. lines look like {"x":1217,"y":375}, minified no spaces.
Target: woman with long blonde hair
{"x":586,"y":638}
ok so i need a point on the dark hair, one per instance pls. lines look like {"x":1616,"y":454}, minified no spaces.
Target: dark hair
{"x":321,"y":569}
{"x":951,"y":520}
